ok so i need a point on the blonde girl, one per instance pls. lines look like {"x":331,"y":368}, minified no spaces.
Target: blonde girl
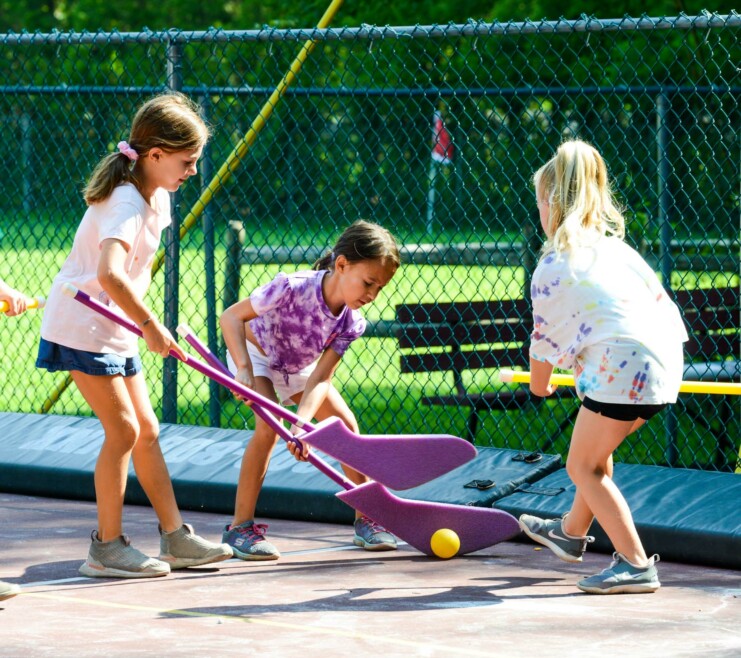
{"x":111,"y":259}
{"x":600,"y":311}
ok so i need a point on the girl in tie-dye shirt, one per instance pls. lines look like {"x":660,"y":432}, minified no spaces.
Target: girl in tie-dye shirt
{"x":599,"y":310}
{"x":285,"y":342}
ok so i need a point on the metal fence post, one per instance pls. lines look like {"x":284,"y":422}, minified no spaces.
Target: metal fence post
{"x":664,"y":195}
{"x":172,"y":262}
{"x":214,"y":401}
{"x":26,"y":166}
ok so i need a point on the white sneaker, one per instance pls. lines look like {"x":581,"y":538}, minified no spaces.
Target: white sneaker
{"x":119,"y":559}
{"x":183,"y":548}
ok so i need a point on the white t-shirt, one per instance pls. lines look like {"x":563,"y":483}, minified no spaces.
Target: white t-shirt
{"x":603,"y":313}
{"x":127,"y":217}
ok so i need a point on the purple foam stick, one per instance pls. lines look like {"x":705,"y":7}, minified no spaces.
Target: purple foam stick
{"x":412,"y":521}
{"x":188,"y":335}
{"x":397,"y":461}
{"x":416,"y":521}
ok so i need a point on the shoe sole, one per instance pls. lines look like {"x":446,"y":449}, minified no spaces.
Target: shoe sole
{"x":183,"y":563}
{"x":107,"y":572}
{"x":359,"y":541}
{"x":251,"y":557}
{"x":254,"y":557}
{"x":557,"y":550}
{"x":621,"y":589}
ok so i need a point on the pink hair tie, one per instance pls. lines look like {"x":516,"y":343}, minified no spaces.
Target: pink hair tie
{"x":129,"y":152}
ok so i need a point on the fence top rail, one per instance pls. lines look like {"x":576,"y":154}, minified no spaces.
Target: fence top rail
{"x":392,"y":92}
{"x":372,"y":32}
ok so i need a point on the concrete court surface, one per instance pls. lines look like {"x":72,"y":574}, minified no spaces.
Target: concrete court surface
{"x":328,"y":598}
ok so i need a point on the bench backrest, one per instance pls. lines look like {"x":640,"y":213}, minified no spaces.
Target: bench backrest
{"x":496,"y":333}
{"x":713,"y":323}
{"x":483,"y":334}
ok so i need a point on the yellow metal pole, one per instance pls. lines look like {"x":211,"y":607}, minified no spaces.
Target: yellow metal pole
{"x":709,"y":388}
{"x":231,"y":163}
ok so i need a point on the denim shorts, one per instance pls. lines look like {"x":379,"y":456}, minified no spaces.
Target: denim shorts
{"x":56,"y":357}
{"x":623,"y":411}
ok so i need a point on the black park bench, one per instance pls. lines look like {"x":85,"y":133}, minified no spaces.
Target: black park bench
{"x":713,"y":354}
{"x":459,"y":336}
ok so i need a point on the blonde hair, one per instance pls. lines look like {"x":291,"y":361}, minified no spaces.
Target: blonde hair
{"x":168,"y":121}
{"x":363,"y":241}
{"x":581,"y":204}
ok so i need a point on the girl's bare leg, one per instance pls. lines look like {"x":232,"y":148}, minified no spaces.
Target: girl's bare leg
{"x":579,"y":519}
{"x":130,"y":427}
{"x":255,"y":460}
{"x":589,"y":466}
{"x":149,"y":462}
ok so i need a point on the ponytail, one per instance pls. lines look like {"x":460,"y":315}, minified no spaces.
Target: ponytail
{"x":575,"y":185}
{"x":324,"y":262}
{"x":110,"y":172}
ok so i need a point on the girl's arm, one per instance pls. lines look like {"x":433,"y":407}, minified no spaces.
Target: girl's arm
{"x":540,"y":374}
{"x":233,"y":323}
{"x":116,"y":282}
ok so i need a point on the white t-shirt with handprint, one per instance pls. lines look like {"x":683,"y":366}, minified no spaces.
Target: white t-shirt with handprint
{"x":602,"y":312}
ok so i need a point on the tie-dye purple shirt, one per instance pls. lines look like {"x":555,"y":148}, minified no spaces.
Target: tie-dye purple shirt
{"x":294,"y":324}
{"x":603,"y":313}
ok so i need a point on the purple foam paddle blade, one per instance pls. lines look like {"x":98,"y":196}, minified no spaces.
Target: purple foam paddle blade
{"x":398,"y":461}
{"x":416,"y":521}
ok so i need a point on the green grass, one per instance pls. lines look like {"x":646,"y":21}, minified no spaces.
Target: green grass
{"x":384,"y":399}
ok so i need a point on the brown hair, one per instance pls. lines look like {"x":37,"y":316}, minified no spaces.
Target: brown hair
{"x":168,"y":121}
{"x":363,"y":241}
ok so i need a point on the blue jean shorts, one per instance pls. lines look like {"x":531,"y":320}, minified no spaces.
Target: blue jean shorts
{"x":56,"y":358}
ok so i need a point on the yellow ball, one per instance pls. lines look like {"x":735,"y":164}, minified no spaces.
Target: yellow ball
{"x":445,"y":543}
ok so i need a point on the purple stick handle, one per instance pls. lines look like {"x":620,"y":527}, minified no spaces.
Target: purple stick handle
{"x":214,"y":361}
{"x":185,"y":332}
{"x":263,"y":405}
{"x":275,"y":424}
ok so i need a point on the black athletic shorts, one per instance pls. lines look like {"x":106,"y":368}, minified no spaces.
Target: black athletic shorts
{"x":623,"y":411}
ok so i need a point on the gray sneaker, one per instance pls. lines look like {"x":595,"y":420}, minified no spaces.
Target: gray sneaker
{"x":182,"y":548}
{"x":549,"y":532}
{"x":119,"y":559}
{"x":8,"y":590}
{"x":622,"y":577}
{"x":248,"y":542}
{"x":373,"y":537}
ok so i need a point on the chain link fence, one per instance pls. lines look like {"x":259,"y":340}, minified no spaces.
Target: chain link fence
{"x":433,"y":132}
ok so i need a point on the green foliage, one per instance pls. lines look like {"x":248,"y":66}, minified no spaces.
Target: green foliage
{"x":127,"y":15}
